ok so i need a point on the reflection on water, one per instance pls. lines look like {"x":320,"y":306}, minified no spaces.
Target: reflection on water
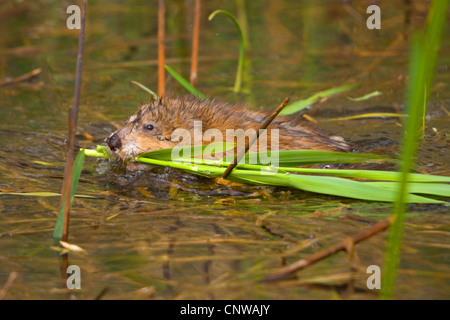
{"x":165,"y":234}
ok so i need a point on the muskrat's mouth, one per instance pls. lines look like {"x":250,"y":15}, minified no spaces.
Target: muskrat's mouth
{"x":128,"y":161}
{"x":124,"y":157}
{"x":122,"y":150}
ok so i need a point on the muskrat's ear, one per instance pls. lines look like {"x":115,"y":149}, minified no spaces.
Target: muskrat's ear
{"x":135,"y":117}
{"x":175,"y":136}
{"x":165,"y":136}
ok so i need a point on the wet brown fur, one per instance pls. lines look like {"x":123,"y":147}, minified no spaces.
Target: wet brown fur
{"x":171,"y":113}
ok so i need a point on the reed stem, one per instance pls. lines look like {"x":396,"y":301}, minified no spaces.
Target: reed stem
{"x":249,"y":143}
{"x":195,"y":41}
{"x":161,"y":53}
{"x":73,"y":120}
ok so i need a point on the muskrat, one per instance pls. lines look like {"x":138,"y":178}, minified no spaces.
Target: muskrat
{"x":152,"y":127}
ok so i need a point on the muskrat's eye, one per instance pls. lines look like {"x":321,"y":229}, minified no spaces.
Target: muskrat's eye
{"x":149,"y":127}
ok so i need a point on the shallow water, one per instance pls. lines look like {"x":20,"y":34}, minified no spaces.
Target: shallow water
{"x":164,"y":234}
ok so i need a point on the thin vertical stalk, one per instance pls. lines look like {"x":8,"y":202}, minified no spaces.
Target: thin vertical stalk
{"x":73,"y":120}
{"x":161,"y":53}
{"x":407,"y":163}
{"x":238,"y":81}
{"x":247,"y":81}
{"x":424,"y":52}
{"x":195,"y":40}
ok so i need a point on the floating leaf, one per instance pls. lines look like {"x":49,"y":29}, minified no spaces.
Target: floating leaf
{"x":45,"y":163}
{"x":72,"y":247}
{"x":367,"y":115}
{"x":33,"y":194}
{"x":366,"y":97}
{"x":302,"y":104}
{"x":44,"y":194}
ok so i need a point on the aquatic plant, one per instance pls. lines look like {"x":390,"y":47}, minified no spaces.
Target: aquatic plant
{"x":238,"y":81}
{"x":77,"y":167}
{"x":375,"y":185}
{"x":185,"y":83}
{"x":423,"y":57}
{"x":70,"y":180}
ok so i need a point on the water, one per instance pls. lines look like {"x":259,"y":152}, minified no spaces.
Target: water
{"x":165,"y":234}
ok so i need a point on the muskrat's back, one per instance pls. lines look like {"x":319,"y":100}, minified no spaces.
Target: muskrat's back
{"x":152,"y":127}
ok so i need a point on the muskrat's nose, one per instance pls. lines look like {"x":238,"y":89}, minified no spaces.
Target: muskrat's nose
{"x":114,"y":142}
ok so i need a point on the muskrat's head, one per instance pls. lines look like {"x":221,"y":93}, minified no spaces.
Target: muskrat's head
{"x":147,"y":130}
{"x":154,"y":125}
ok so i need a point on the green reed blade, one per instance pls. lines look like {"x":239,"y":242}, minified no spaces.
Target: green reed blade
{"x":319,"y":184}
{"x":293,"y":158}
{"x":423,"y":57}
{"x":242,"y":40}
{"x":371,"y":174}
{"x":140,"y":85}
{"x":329,"y":185}
{"x":258,"y":174}
{"x":185,"y":83}
{"x":437,"y":189}
{"x":196,"y":150}
{"x":76,"y":172}
{"x":425,"y":179}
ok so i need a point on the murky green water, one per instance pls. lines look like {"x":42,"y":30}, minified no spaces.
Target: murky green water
{"x":167,"y":235}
